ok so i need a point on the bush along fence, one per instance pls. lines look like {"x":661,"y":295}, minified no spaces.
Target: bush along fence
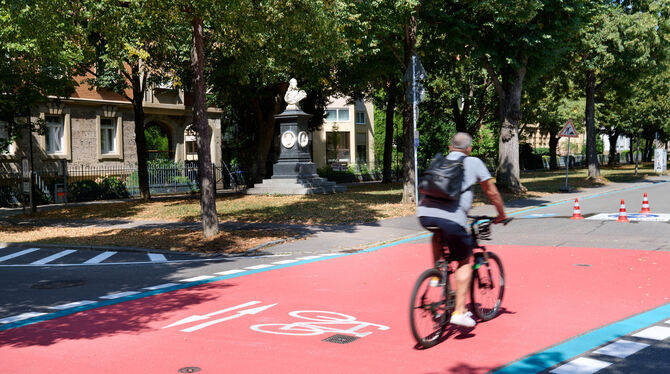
{"x":86,"y":183}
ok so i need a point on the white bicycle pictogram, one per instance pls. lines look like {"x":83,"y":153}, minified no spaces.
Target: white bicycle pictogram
{"x":321,"y":322}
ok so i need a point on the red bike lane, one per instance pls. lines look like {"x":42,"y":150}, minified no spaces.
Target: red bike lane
{"x":277,"y":320}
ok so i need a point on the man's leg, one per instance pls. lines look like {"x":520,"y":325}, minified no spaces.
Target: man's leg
{"x":462,"y":278}
{"x":437,"y":248}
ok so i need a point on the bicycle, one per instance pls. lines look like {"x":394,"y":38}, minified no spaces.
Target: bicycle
{"x":433,"y":297}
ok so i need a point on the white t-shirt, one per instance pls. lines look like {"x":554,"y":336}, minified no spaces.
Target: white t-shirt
{"x":474,"y":172}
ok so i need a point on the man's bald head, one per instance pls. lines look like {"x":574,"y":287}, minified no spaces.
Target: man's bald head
{"x":461,"y":141}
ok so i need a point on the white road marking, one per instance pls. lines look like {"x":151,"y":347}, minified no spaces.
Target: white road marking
{"x":228,"y":272}
{"x":654,"y":332}
{"x":581,"y":365}
{"x":100,"y":258}
{"x":58,"y":255}
{"x":17,"y":254}
{"x":195,"y":318}
{"x":239,"y":314}
{"x":72,"y":304}
{"x":160,"y":286}
{"x":621,"y":348}
{"x":119,"y":295}
{"x":261,"y":266}
{"x":21,"y":317}
{"x":198,"y":278}
{"x":308,"y":257}
{"x":285,"y":262}
{"x":157,"y":257}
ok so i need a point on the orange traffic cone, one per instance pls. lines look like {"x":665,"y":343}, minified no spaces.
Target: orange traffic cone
{"x":645,"y":204}
{"x":576,"y":213}
{"x":623,"y":217}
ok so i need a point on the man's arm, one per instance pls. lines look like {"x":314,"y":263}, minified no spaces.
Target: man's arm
{"x":492,"y":193}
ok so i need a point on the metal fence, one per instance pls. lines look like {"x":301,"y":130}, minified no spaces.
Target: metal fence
{"x":163,"y":179}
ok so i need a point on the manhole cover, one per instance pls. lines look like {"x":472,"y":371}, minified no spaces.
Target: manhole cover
{"x":49,"y":285}
{"x":190,"y":369}
{"x":340,"y":339}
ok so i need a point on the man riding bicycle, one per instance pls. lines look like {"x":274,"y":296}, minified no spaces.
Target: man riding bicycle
{"x":452,"y":216}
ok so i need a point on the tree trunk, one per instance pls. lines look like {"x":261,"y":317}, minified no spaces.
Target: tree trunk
{"x":591,"y":149}
{"x":264,"y":132}
{"x":613,"y":160}
{"x":508,"y":175}
{"x":140,"y":139}
{"x":408,"y":170}
{"x":388,"y":135}
{"x":553,"y":146}
{"x":210,"y":221}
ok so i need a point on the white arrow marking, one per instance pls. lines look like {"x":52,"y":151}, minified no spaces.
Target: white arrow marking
{"x":200,"y":318}
{"x":239,"y":314}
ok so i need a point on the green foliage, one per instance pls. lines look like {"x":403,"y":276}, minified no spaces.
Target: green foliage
{"x":156,"y":139}
{"x":113,"y":188}
{"x":89,"y":190}
{"x":354,"y":173}
{"x":84,"y":190}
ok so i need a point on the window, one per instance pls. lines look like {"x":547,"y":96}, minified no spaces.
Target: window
{"x":54,"y":136}
{"x":4,"y":137}
{"x":361,"y":149}
{"x":107,"y":135}
{"x":337,"y":146}
{"x":360,"y":117}
{"x":337,"y":115}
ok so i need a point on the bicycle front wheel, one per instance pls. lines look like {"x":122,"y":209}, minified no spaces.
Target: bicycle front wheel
{"x":488,"y":286}
{"x":428,"y":309}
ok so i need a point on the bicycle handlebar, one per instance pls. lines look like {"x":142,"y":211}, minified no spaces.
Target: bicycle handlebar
{"x":476,"y":219}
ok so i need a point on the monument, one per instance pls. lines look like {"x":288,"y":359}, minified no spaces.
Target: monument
{"x":294,"y":173}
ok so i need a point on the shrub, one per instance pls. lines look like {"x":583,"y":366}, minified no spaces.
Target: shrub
{"x":113,"y":188}
{"x":85,"y":190}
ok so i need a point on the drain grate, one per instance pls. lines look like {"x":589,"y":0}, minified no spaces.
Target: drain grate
{"x":50,"y":285}
{"x":189,"y":369}
{"x":340,"y":339}
{"x":583,"y":265}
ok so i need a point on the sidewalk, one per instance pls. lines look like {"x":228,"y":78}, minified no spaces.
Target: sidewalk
{"x":332,"y":238}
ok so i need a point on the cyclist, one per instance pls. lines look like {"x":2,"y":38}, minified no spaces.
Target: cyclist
{"x":451,"y":217}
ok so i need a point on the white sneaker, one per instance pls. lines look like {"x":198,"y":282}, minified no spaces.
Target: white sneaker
{"x":464,"y":320}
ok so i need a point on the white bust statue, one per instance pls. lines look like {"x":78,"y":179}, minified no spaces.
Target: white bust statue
{"x":293,"y":94}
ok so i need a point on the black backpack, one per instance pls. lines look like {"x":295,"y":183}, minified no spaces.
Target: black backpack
{"x":443,"y":178}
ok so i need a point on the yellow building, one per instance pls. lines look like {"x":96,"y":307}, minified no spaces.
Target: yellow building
{"x":347,"y":134}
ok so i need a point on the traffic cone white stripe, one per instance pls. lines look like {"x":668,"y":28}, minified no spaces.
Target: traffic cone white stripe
{"x":645,"y":204}
{"x":576,"y":212}
{"x":623,"y":217}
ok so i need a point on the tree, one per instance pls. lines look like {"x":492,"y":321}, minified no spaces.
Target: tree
{"x":134,"y":44}
{"x":512,"y":40}
{"x":621,"y":43}
{"x":41,"y":44}
{"x":256,"y":48}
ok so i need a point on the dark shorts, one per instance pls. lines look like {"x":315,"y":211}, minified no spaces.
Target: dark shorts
{"x":454,"y":236}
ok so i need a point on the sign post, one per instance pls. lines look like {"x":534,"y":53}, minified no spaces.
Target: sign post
{"x":415,"y":94}
{"x":568,"y":131}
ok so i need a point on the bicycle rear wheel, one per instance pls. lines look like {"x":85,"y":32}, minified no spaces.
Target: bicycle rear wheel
{"x":488,"y":287}
{"x":428,"y":309}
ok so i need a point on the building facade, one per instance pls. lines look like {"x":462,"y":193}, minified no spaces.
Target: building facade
{"x":97,"y":128}
{"x":347,"y":135}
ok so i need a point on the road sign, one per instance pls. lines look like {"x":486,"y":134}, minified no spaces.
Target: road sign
{"x":415,"y":70}
{"x":569,"y":130}
{"x":415,"y":92}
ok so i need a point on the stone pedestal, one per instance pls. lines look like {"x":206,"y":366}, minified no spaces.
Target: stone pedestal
{"x":294,"y":173}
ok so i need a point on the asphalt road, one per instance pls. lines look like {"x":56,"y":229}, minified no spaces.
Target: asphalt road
{"x":33,"y":284}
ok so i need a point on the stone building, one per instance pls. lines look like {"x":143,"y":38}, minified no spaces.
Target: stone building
{"x":95,"y":128}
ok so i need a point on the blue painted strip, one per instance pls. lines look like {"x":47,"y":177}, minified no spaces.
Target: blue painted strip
{"x":545,"y":359}
{"x":100,"y":304}
{"x":582,"y":198}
